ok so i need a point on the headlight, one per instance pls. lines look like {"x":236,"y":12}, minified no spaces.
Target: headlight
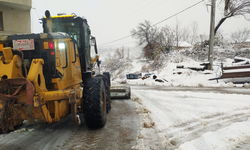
{"x":61,"y":46}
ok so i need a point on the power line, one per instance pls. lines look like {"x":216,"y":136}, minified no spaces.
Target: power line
{"x":121,"y":44}
{"x":178,"y":13}
{"x":156,"y":23}
{"x":116,"y":40}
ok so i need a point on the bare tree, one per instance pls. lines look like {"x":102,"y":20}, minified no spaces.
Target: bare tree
{"x":185,"y":34}
{"x":194,"y":33}
{"x":146,"y":34}
{"x":177,"y":33}
{"x":119,"y":53}
{"x":219,"y":38}
{"x":234,"y":8}
{"x":166,"y":39}
{"x":203,"y":37}
{"x":240,"y":36}
{"x":128,"y":53}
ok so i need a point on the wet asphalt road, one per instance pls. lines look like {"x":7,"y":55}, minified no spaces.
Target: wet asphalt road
{"x":222,"y":90}
{"x":120,"y":132}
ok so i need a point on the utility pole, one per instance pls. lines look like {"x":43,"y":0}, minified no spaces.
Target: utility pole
{"x":211,"y":37}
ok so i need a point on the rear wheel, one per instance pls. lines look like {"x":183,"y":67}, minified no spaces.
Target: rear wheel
{"x":94,"y":103}
{"x":107,"y":74}
{"x":106,"y":79}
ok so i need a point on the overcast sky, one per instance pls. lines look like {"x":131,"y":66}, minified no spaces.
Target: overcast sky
{"x":110,"y":20}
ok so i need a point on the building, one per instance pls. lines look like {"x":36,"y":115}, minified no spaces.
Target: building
{"x":15,"y":16}
{"x":151,"y":52}
{"x":148,"y":52}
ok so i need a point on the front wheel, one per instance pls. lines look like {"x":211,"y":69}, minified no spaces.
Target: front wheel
{"x":94,"y":103}
{"x":106,"y":80}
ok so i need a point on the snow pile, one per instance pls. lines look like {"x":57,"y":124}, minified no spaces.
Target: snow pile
{"x":147,"y":125}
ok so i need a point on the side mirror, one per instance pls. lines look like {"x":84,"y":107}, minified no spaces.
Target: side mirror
{"x":92,"y":41}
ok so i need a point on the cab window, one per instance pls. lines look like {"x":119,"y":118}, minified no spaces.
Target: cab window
{"x":1,"y":21}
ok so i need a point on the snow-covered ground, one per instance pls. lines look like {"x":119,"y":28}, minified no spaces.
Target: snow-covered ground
{"x":188,"y":120}
{"x":173,"y":76}
{"x":185,"y":118}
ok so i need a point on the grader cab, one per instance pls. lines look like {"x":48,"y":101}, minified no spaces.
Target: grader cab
{"x":50,"y":75}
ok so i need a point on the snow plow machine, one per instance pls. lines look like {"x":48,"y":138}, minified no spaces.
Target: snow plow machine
{"x":51,"y":75}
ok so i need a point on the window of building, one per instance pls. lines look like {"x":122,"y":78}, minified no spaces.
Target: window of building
{"x":1,"y":21}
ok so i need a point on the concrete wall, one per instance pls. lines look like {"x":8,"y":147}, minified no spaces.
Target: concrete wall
{"x":16,"y":16}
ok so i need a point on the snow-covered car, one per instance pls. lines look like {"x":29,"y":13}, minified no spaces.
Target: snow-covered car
{"x":147,"y":74}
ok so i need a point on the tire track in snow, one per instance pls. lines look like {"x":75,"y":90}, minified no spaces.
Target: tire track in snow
{"x":175,"y":135}
{"x":243,"y":145}
{"x":192,"y":129}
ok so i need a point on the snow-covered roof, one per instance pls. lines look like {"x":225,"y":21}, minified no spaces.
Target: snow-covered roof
{"x":248,"y":40}
{"x":183,"y":44}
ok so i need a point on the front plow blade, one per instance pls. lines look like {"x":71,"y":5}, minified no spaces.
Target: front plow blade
{"x":120,"y":92}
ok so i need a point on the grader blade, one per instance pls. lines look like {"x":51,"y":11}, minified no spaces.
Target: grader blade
{"x":120,"y":92}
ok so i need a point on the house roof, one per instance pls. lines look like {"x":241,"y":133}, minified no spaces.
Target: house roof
{"x":184,"y":44}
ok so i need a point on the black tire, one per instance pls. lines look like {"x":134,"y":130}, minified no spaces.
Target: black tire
{"x":107,"y":74}
{"x":107,"y":90}
{"x":94,"y":103}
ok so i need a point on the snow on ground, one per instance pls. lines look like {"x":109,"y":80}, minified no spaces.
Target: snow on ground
{"x":187,"y":120}
{"x":192,"y":120}
{"x":178,"y":76}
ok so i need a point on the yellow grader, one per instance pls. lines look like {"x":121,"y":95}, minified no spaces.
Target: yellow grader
{"x":50,"y":75}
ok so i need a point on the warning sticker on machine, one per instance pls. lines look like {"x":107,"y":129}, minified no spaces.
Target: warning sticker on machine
{"x":24,"y":44}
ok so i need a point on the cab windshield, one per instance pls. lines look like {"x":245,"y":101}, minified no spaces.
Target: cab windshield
{"x":73,"y":29}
